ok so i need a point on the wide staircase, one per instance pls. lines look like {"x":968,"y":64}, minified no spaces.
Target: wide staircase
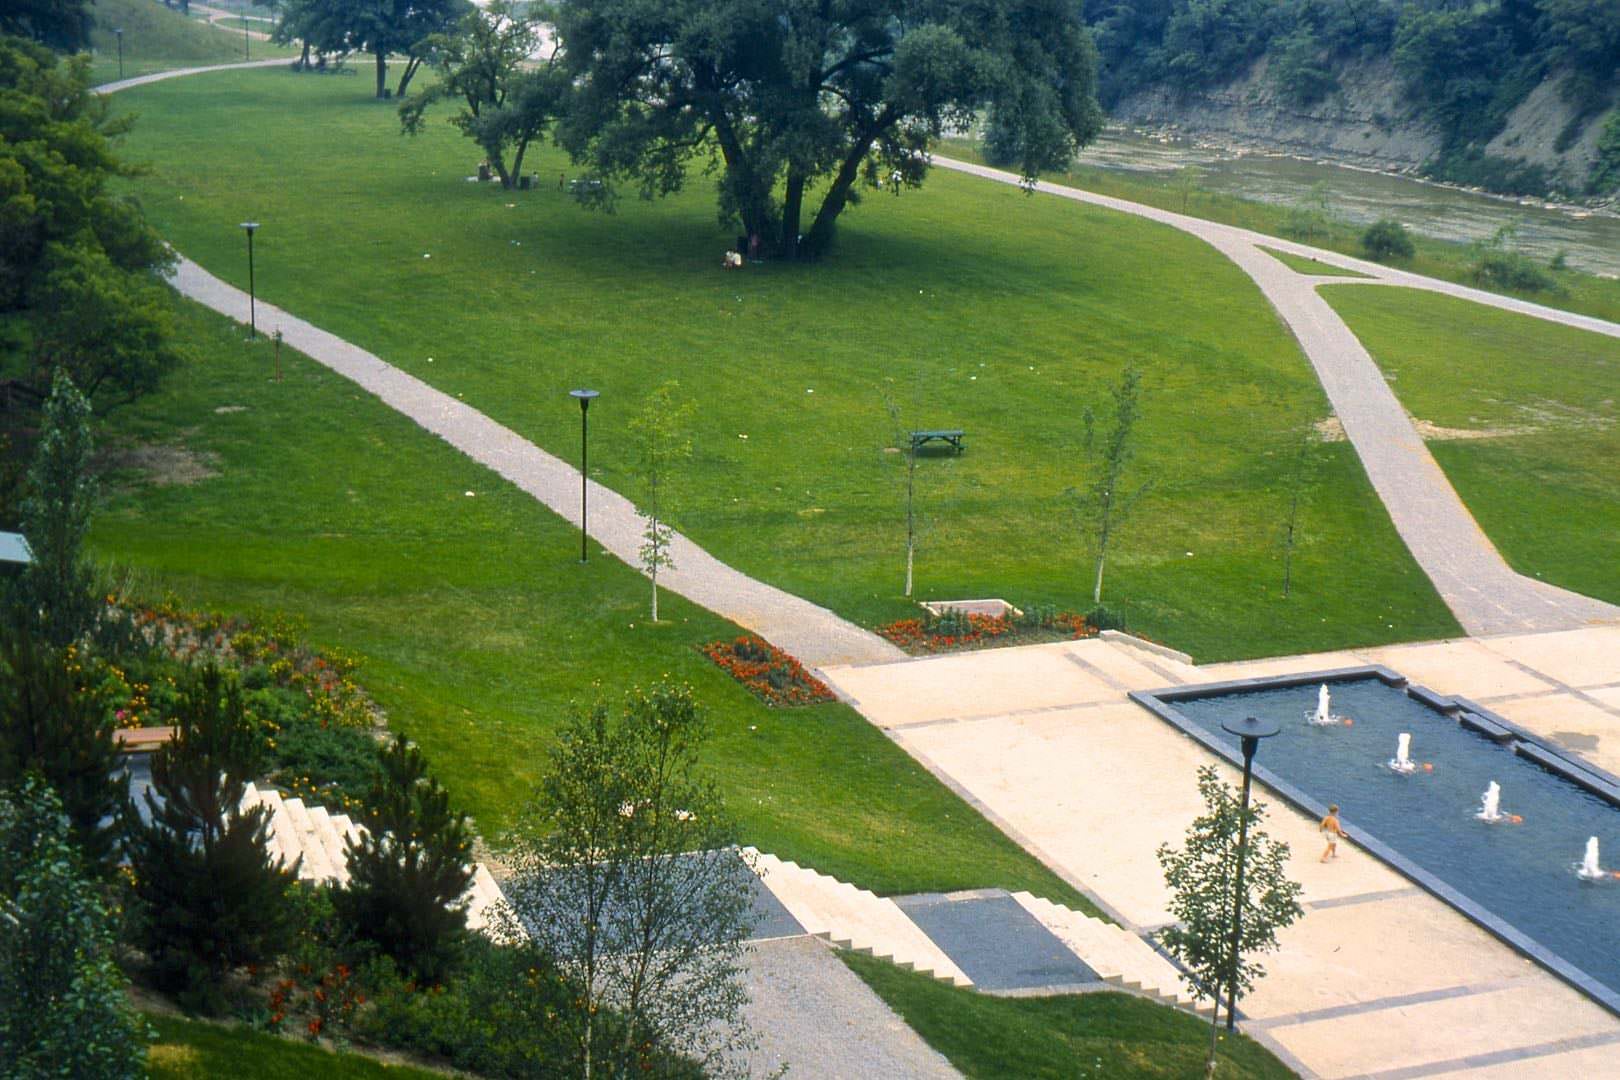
{"x":1116,"y":955}
{"x":853,"y":918}
{"x":315,"y":840}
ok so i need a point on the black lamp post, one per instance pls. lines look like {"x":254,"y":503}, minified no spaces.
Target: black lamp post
{"x":253,"y":315}
{"x":246,"y":48}
{"x":584,"y":398}
{"x":119,"y":33}
{"x":1250,"y":731}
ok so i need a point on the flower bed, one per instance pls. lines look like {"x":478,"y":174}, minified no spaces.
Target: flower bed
{"x":959,"y":630}
{"x":775,"y":677}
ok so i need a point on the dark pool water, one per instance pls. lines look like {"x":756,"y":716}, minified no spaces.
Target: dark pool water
{"x":1523,"y":874}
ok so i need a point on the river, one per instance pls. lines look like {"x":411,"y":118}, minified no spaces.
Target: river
{"x":1590,"y":241}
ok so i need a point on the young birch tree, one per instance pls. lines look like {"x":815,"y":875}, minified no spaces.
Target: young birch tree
{"x":903,"y":442}
{"x":1102,"y":506}
{"x":1201,"y":876}
{"x":662,"y":446}
{"x":624,"y":870}
{"x":1300,"y":478}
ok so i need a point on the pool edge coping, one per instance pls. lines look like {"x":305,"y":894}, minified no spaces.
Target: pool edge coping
{"x":1159,"y":703}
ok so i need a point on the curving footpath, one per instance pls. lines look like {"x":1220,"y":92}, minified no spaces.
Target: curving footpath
{"x":1485,"y":594}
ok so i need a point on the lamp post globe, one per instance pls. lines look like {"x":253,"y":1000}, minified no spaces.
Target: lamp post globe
{"x":1249,"y":731}
{"x":584,"y":397}
{"x":253,"y":315}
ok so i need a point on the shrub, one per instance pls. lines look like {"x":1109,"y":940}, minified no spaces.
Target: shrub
{"x":1499,"y":269}
{"x":211,"y":897}
{"x":1105,"y":619}
{"x":1386,"y":239}
{"x":63,"y":1009}
{"x":411,"y":868}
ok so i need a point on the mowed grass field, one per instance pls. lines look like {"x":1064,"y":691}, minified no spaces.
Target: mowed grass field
{"x":968,"y":304}
{"x":478,"y":627}
{"x":1544,"y":486}
{"x":157,"y":38}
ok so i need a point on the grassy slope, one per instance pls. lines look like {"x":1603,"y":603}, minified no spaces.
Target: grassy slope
{"x":1104,"y":1036}
{"x":157,"y":38}
{"x":479,"y":626}
{"x":1309,"y":266}
{"x":191,"y":1050}
{"x":1550,"y":499}
{"x":1447,"y":260}
{"x":970,"y":303}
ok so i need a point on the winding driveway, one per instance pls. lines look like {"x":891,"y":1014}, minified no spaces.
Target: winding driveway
{"x":1486,"y":595}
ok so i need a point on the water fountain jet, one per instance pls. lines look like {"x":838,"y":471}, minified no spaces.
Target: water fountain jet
{"x":1590,"y":870}
{"x":1402,"y":761}
{"x":1490,"y":804}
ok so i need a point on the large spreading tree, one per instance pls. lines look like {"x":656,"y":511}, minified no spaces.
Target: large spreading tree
{"x":814,"y":99}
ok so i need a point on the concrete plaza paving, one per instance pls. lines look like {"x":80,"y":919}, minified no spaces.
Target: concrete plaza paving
{"x":1380,"y":978}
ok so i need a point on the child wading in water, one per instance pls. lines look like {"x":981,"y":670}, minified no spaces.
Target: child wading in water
{"x":1332,"y":832}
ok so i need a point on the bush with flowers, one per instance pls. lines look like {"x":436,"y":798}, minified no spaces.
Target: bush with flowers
{"x":318,"y":723}
{"x":774,"y":676}
{"x":953,"y":629}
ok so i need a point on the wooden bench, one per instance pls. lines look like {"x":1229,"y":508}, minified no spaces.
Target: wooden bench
{"x":954,"y":436}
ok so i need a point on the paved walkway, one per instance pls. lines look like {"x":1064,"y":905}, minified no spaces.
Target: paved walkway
{"x":813,"y":634}
{"x":1380,"y":978}
{"x":1485,"y":594}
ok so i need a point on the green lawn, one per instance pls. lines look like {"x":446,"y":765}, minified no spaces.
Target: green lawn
{"x":1309,"y":266}
{"x":192,"y":1050}
{"x":1103,"y":1036}
{"x":970,"y":303}
{"x":157,"y":38}
{"x":478,"y":626}
{"x":1549,"y":497}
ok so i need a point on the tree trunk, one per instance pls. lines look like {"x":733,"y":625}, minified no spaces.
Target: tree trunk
{"x":303,"y":58}
{"x":382,"y":73}
{"x":1214,"y":1033}
{"x":411,"y":65}
{"x":792,"y":213}
{"x":820,"y":235}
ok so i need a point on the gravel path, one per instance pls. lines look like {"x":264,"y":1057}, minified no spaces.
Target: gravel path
{"x":818,"y":1018}
{"x":813,"y":634}
{"x":1486,"y":595}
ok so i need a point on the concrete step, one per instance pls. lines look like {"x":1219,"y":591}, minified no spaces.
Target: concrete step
{"x":483,"y":899}
{"x":1116,"y":955}
{"x":331,"y":843}
{"x":317,"y":867}
{"x":280,"y":842}
{"x":854,"y":918}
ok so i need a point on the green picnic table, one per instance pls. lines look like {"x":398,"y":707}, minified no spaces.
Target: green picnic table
{"x":953,"y":436}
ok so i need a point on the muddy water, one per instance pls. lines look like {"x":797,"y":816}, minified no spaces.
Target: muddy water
{"x":1590,"y":241}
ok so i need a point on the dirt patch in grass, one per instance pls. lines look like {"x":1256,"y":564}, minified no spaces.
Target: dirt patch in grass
{"x":162,"y":464}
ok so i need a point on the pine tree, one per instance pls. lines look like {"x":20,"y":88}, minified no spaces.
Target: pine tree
{"x":408,"y":872}
{"x":213,"y":898}
{"x":55,"y":589}
{"x":48,"y":727}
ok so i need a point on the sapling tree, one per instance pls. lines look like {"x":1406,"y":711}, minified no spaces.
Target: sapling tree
{"x":212,"y":896}
{"x":624,"y":871}
{"x":411,"y":868}
{"x":904,"y":443}
{"x":1202,"y":875}
{"x":1301,"y":476}
{"x":64,"y":1005}
{"x":1105,"y":503}
{"x":55,"y":589}
{"x":662,"y":447}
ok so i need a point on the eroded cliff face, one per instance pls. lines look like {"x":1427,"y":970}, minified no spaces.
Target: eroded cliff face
{"x":1367,"y":121}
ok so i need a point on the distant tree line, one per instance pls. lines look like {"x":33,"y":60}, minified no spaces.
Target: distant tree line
{"x":1465,"y":64}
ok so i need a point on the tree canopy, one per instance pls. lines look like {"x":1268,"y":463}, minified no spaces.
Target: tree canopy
{"x":77,"y":288}
{"x":789,"y":97}
{"x":57,"y":24}
{"x":383,"y":28}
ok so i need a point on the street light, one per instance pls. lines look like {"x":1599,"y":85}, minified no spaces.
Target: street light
{"x":253,"y":316}
{"x":120,"y":35}
{"x":584,"y":398}
{"x":1250,"y":731}
{"x":246,"y":51}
